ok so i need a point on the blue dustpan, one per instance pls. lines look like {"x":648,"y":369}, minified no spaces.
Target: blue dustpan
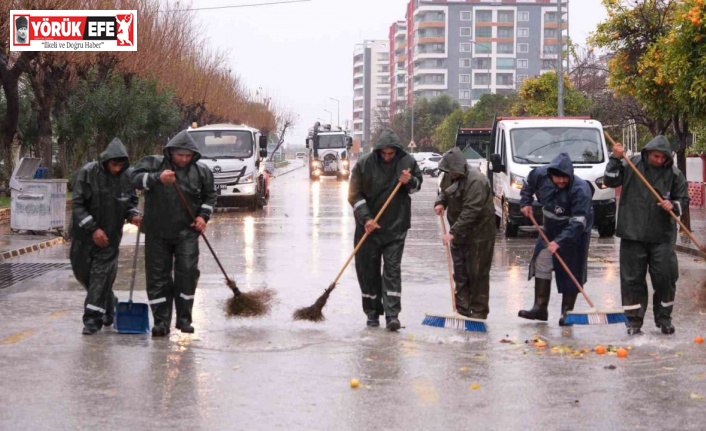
{"x":133,"y":317}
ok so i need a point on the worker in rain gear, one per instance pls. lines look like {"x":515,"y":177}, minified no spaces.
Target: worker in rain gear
{"x":372,"y":180}
{"x":647,"y":232}
{"x":171,"y":235}
{"x":102,"y":199}
{"x":468,"y":198}
{"x":568,"y":218}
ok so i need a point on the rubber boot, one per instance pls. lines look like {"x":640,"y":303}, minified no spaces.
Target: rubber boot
{"x":666,"y":326}
{"x":542,"y":290}
{"x":185,"y":326}
{"x":393,"y":323}
{"x":568,"y":300}
{"x":373,"y":320}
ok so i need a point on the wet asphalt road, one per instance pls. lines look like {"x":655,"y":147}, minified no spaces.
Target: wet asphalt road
{"x":273,"y":373}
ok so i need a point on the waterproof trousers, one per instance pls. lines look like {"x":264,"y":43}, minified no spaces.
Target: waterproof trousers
{"x":95,"y":268}
{"x":378,"y":266}
{"x":471,"y":265}
{"x":636,"y":258}
{"x":171,"y":265}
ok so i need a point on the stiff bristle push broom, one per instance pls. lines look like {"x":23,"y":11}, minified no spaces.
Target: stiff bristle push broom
{"x":314,"y":313}
{"x":455,"y":320}
{"x":591,"y":316}
{"x":241,"y":304}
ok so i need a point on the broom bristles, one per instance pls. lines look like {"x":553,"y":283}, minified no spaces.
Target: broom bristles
{"x":457,"y":322}
{"x":250,"y":304}
{"x":595,"y":317}
{"x":314,"y":313}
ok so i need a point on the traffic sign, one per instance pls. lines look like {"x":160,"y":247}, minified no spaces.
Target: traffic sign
{"x":412,"y":144}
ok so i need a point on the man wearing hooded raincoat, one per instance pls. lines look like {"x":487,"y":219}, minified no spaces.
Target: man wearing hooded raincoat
{"x":568,"y":218}
{"x":171,"y":235}
{"x":103,"y":198}
{"x":373,"y":178}
{"x":468,"y":198}
{"x":647,"y":232}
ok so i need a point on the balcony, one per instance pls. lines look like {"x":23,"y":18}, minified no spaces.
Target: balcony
{"x":424,"y":40}
{"x":431,"y":24}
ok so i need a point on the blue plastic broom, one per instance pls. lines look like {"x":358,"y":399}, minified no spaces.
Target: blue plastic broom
{"x":591,"y":316}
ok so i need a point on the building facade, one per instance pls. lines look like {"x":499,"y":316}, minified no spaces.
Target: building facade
{"x":398,"y":67}
{"x":371,"y":87}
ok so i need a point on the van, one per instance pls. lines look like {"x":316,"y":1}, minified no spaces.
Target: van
{"x":519,"y":145}
{"x":300,"y":155}
{"x":235,"y":154}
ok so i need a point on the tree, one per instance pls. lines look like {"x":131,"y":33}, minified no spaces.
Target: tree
{"x":538,"y":97}
{"x":483,"y":113}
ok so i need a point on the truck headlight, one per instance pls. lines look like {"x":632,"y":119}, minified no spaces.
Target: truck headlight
{"x":600,"y":182}
{"x":246,"y":179}
{"x":344,"y":163}
{"x":315,"y":163}
{"x":516,"y":181}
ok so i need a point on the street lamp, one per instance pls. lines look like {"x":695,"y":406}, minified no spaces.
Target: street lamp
{"x":338,"y":111}
{"x":490,"y":53}
{"x":330,"y":115}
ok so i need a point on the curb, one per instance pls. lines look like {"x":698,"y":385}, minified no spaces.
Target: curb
{"x":30,"y":248}
{"x":278,"y":174}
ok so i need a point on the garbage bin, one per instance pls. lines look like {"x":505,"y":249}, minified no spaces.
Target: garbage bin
{"x":36,"y":204}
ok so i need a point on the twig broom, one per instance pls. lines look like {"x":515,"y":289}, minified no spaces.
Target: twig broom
{"x":455,"y":321}
{"x":242,"y":304}
{"x":314,"y":312}
{"x":592,"y":316}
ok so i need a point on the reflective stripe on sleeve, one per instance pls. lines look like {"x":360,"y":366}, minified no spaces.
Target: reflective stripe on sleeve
{"x":667,"y":304}
{"x":397,"y":294}
{"x":612,"y":174}
{"x":677,"y":203}
{"x":144,"y":182}
{"x":208,"y":207}
{"x":86,"y":220}
{"x":359,"y":203}
{"x":553,"y":216}
{"x":158,"y":301}
{"x":580,"y":219}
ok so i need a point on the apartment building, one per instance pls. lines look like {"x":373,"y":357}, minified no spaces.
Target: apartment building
{"x":398,"y":67}
{"x":467,"y":48}
{"x":371,"y":87}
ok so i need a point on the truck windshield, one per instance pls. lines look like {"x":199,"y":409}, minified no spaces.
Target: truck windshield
{"x":541,"y":145}
{"x":223,"y":144}
{"x":332,"y":141}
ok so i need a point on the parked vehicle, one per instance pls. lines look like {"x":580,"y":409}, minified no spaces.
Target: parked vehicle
{"x":521,"y":144}
{"x":300,"y":155}
{"x":235,"y":154}
{"x":474,"y":144}
{"x":424,"y":161}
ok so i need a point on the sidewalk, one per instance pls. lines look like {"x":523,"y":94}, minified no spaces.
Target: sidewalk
{"x":698,"y":228}
{"x":12,"y":245}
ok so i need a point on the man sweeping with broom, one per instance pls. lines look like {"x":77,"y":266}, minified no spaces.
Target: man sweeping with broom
{"x":171,"y":234}
{"x":468,"y":197}
{"x":646,"y":230}
{"x":568,"y":219}
{"x":373,"y":179}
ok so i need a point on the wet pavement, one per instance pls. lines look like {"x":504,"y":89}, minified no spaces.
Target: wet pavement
{"x":273,"y":373}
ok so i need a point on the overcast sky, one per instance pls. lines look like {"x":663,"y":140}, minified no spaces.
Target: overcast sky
{"x":301,"y":54}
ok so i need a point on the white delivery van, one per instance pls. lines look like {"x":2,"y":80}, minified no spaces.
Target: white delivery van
{"x":235,"y":154}
{"x":519,"y":145}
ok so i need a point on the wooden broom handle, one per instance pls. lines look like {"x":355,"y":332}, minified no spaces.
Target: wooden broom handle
{"x":654,"y":192}
{"x":362,"y":240}
{"x":448,"y":262}
{"x":563,"y":264}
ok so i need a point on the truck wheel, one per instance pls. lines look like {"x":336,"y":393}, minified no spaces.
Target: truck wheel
{"x":606,"y":230}
{"x":509,"y":228}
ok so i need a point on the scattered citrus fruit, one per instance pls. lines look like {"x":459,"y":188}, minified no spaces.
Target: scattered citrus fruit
{"x":540,"y":343}
{"x":475,"y":386}
{"x":699,"y":340}
{"x":622,"y":353}
{"x":600,"y":350}
{"x":354,"y":383}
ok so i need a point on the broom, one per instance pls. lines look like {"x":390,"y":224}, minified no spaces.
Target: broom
{"x":659,"y":198}
{"x":314,"y":312}
{"x":242,"y":304}
{"x":455,"y":321}
{"x":592,"y":316}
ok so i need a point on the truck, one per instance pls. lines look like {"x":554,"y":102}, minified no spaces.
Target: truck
{"x":236,"y":156}
{"x":474,"y":143}
{"x":520,"y":144}
{"x":328,"y":152}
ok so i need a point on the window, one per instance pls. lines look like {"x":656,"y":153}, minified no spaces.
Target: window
{"x":522,"y":63}
{"x":522,"y":48}
{"x":506,"y":63}
{"x":504,"y":79}
{"x":482,"y":79}
{"x":464,"y":79}
{"x":521,"y":78}
{"x":549,"y":33}
{"x":483,"y":48}
{"x":506,"y":48}
{"x":466,"y":15}
{"x":437,"y":48}
{"x":484,"y":32}
{"x":482,"y":63}
{"x":550,"y":49}
{"x":548,"y":64}
{"x":522,"y":32}
{"x":506,"y":16}
{"x":437,"y":79}
{"x":523,"y":16}
{"x":506,"y":32}
{"x":464,"y":63}
{"x":465,"y":47}
{"x":464,"y":94}
{"x":484,"y":16}
{"x":465,"y":31}
{"x":550,"y":17}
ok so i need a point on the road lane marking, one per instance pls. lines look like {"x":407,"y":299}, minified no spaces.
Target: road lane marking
{"x":16,"y":338}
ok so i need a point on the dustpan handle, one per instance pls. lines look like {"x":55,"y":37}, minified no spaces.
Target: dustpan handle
{"x":134,"y":264}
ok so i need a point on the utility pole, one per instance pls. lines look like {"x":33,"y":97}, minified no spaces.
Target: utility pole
{"x":560,"y":69}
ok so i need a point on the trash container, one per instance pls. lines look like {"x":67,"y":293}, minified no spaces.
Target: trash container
{"x":36,"y":204}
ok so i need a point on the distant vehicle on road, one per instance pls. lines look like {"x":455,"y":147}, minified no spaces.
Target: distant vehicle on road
{"x":300,"y":155}
{"x":328,"y":152}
